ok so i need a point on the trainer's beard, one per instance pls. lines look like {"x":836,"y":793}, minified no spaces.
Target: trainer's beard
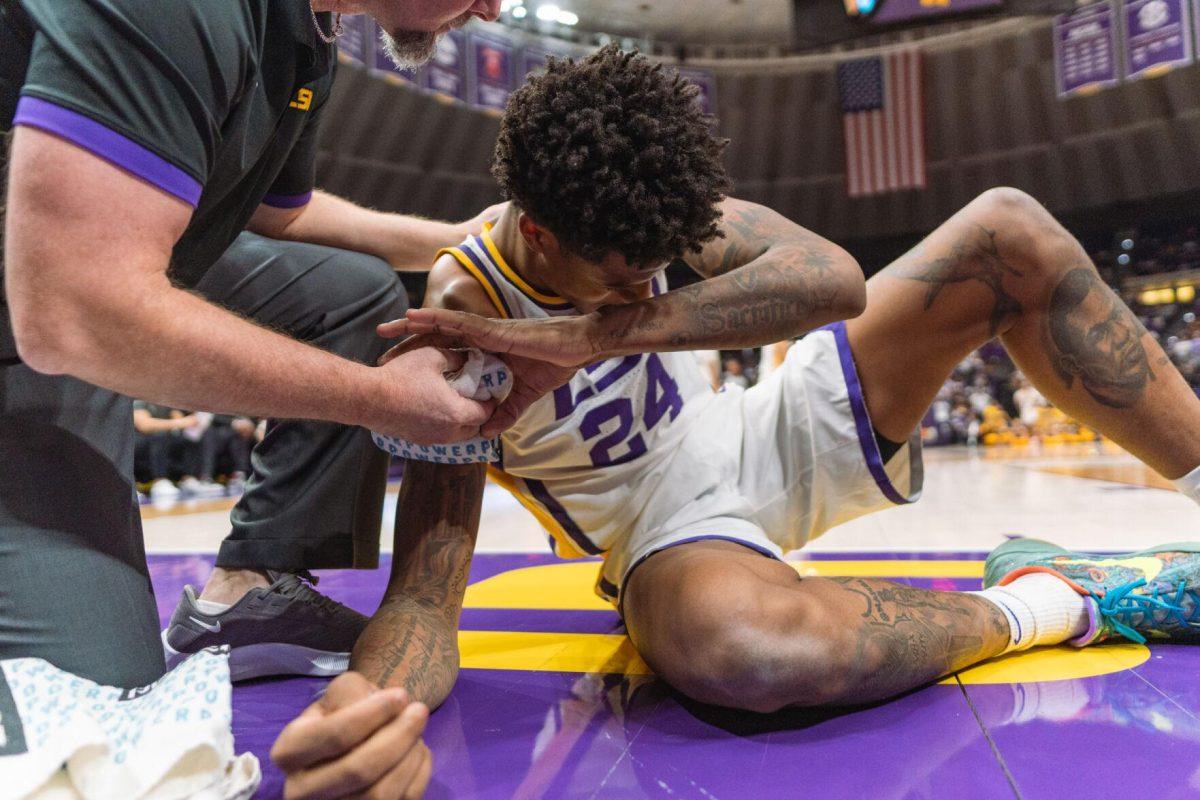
{"x":413,"y":48}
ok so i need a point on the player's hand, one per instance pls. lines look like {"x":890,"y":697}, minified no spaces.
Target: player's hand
{"x":356,"y":741}
{"x":418,"y":403}
{"x":564,"y":341}
{"x":532,"y":378}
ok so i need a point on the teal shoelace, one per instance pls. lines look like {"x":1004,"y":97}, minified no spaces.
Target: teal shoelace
{"x":1120,"y":606}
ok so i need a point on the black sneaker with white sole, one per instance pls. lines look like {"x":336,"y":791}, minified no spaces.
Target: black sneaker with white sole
{"x":286,"y":628}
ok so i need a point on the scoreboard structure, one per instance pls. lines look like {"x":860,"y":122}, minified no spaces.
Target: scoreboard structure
{"x":891,"y":12}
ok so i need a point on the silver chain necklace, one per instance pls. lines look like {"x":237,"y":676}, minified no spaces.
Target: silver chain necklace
{"x":338,"y":29}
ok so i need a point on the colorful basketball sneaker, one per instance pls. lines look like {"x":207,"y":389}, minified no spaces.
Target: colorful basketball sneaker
{"x":1150,"y":594}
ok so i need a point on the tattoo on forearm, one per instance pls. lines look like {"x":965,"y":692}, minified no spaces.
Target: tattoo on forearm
{"x":1095,"y":337}
{"x":974,"y":258}
{"x":908,"y":637}
{"x":412,"y":639}
{"x":770,"y":274}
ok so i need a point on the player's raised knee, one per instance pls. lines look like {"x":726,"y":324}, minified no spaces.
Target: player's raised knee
{"x":1011,"y":210}
{"x":1026,"y":233}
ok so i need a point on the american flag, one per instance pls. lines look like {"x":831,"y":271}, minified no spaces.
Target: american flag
{"x":883,"y":116}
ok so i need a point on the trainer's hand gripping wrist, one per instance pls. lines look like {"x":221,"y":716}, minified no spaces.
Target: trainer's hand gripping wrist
{"x":482,"y":376}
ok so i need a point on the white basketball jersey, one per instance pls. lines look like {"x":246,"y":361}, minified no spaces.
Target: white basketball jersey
{"x":585,"y":458}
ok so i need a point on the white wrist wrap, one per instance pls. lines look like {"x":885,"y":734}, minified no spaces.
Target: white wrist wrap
{"x":482,"y":377}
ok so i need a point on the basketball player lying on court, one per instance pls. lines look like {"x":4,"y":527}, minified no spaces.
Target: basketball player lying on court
{"x":693,"y":497}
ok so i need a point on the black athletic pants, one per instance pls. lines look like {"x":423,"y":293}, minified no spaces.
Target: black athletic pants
{"x":74,"y":585}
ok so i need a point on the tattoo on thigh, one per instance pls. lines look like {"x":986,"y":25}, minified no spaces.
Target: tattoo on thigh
{"x":974,"y":258}
{"x":1096,"y":338}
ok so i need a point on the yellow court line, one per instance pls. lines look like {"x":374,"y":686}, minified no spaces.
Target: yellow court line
{"x":606,"y":653}
{"x":550,"y":652}
{"x":1056,"y":664}
{"x":890,"y":568}
{"x":569,"y":587}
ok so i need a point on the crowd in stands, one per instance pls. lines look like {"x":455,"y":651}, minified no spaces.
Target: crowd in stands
{"x":191,"y":454}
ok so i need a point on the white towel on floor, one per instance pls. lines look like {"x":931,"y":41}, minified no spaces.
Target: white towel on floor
{"x":66,"y":738}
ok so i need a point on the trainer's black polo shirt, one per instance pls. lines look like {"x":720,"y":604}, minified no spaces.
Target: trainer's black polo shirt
{"x":212,"y":101}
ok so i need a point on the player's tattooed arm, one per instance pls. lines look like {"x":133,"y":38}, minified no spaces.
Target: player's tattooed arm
{"x":767,"y":279}
{"x":412,"y":640}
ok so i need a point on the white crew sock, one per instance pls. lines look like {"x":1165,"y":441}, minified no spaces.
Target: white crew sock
{"x":1189,"y":484}
{"x":211,"y":608}
{"x":1041,"y":609}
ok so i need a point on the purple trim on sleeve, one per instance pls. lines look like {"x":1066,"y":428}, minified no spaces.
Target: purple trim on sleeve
{"x":487,"y":275}
{"x":862,"y":420}
{"x":287,"y":200}
{"x":106,"y":143}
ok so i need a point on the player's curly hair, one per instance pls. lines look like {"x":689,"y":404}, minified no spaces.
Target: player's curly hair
{"x":613,"y":153}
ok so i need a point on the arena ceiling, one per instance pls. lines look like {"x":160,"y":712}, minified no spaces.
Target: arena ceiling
{"x":689,"y":21}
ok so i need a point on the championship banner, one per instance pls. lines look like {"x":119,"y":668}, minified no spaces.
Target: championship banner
{"x":381,"y":64}
{"x":1085,"y":49}
{"x":492,"y":65}
{"x":446,"y":73}
{"x":708,"y":87}
{"x":355,"y":43}
{"x":1158,"y":36}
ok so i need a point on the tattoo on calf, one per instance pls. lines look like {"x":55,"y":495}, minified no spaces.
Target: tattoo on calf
{"x":975,"y":258}
{"x":912,"y":636}
{"x":1095,"y":337}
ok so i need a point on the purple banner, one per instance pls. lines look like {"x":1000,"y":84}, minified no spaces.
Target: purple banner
{"x":904,"y":10}
{"x":355,"y":41}
{"x":1158,"y":36}
{"x":380,"y":62}
{"x":1085,"y":49}
{"x":708,"y":87}
{"x":446,"y":73}
{"x":492,"y":66}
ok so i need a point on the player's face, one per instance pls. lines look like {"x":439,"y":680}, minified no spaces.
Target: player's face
{"x":411,"y":28}
{"x":612,"y":281}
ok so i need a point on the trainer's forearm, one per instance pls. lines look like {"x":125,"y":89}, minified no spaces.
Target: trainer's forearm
{"x":412,"y":640}
{"x":162,"y":344}
{"x":407,"y":243}
{"x":784,"y":293}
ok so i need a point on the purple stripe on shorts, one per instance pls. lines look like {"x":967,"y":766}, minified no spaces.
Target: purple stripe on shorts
{"x":862,"y":420}
{"x":34,"y":112}
{"x":287,"y":200}
{"x":556,"y":509}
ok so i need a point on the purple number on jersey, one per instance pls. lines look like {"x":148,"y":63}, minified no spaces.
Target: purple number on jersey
{"x":657,"y":405}
{"x":601,"y":453}
{"x":565,"y":403}
{"x":662,"y":399}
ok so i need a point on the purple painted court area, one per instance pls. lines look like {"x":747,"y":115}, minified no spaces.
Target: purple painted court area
{"x":526,"y":734}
